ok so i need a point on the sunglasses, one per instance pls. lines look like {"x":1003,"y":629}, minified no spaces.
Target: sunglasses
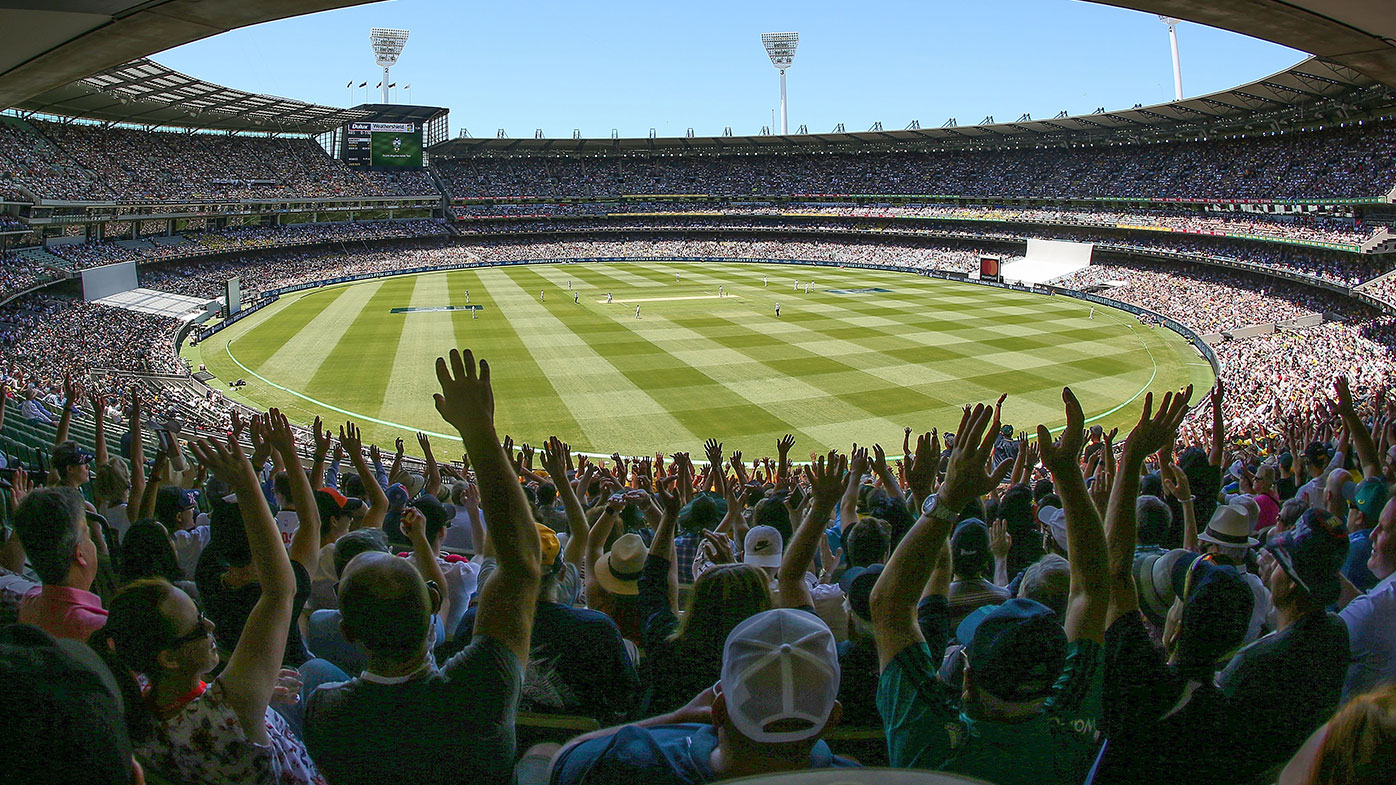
{"x":201,"y":630}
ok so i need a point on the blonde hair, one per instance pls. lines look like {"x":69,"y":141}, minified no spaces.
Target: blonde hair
{"x":111,"y":480}
{"x":1359,"y":747}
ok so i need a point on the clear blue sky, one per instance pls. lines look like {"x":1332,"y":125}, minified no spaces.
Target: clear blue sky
{"x":635,"y":65}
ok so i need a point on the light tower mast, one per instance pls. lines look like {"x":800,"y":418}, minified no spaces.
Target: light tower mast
{"x":387,"y":45}
{"x":1177,"y":67}
{"x":781,"y":49}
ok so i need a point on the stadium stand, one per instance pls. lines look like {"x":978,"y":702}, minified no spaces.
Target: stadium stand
{"x":1205,"y":599}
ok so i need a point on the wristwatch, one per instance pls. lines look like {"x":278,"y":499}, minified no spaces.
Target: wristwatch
{"x":931,"y":508}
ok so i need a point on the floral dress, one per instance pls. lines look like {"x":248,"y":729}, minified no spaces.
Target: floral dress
{"x":204,"y":742}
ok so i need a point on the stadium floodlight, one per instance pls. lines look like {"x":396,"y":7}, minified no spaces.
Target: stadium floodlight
{"x":1177,"y":67}
{"x":781,"y":49}
{"x":387,"y":45}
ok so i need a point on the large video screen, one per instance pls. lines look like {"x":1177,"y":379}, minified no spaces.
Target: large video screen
{"x":383,"y":145}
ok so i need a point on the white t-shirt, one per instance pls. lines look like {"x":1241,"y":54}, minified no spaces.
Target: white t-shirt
{"x":287,"y":523}
{"x":462,"y":578}
{"x":116,"y":519}
{"x":189,"y":544}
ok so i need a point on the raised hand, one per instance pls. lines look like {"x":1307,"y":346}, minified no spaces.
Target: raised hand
{"x":278,"y":432}
{"x":226,"y":461}
{"x":713,"y":449}
{"x":21,"y":485}
{"x":99,"y":403}
{"x":968,"y":475}
{"x":72,"y":390}
{"x":1175,"y":482}
{"x":401,"y":446}
{"x":857,"y":461}
{"x":826,"y":479}
{"x":1000,"y":541}
{"x":668,"y":502}
{"x":554,"y":459}
{"x":466,"y":399}
{"x":879,"y":460}
{"x":921,"y":475}
{"x":719,"y":548}
{"x":322,"y":437}
{"x":527,"y":451}
{"x":374,"y":453}
{"x":1064,"y":454}
{"x":413,"y":524}
{"x":1156,"y":430}
{"x":784,"y":443}
{"x":239,"y":424}
{"x":261,"y":445}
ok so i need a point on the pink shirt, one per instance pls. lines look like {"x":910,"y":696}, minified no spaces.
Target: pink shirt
{"x":63,"y":612}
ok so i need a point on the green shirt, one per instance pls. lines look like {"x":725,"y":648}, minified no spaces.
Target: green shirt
{"x":926,"y":729}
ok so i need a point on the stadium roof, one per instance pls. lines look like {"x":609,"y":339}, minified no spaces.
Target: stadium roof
{"x":1312,"y":90}
{"x":48,"y":43}
{"x":1359,"y":34}
{"x":400,"y":113}
{"x":147,"y":93}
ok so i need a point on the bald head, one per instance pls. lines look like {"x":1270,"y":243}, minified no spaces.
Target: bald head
{"x":384,"y":605}
{"x":1333,"y":493}
{"x":1382,"y":562}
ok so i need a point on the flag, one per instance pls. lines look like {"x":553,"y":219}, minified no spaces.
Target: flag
{"x":391,"y":86}
{"x":363,"y":83}
{"x":351,"y":83}
{"x":407,"y":87}
{"x":380,"y":84}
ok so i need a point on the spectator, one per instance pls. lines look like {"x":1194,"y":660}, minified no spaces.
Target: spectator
{"x":52,"y":526}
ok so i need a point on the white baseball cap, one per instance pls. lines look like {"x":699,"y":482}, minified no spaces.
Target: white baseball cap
{"x":1054,"y":518}
{"x":777,"y":666}
{"x":763,"y":547}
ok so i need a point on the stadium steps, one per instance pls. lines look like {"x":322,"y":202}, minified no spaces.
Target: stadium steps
{"x":44,"y":257}
{"x":1381,"y":241}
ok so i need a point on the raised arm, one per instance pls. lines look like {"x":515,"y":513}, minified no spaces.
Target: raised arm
{"x":322,"y":451}
{"x":783,"y":445}
{"x":1176,"y":484}
{"x":414,"y":525}
{"x":433,"y":483}
{"x":305,"y":543}
{"x":72,"y":391}
{"x":1358,"y":435}
{"x":397,"y":460}
{"x":353,"y":443}
{"x":1214,"y":456}
{"x":1153,"y":432}
{"x":555,"y":452}
{"x":99,"y":416}
{"x":884,"y":473}
{"x":1089,"y":596}
{"x":509,"y":598}
{"x":137,"y":450}
{"x":826,"y":482}
{"x":848,"y":499}
{"x":252,"y":670}
{"x":967,"y":477}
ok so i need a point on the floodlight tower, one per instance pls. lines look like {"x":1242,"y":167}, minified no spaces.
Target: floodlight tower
{"x":387,"y":45}
{"x":781,"y":49}
{"x":1177,"y":67}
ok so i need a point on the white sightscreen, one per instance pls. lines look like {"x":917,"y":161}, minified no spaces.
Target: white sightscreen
{"x":99,"y":282}
{"x":1059,"y":251}
{"x":234,"y":296}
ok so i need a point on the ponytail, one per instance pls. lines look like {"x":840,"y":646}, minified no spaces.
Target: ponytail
{"x":130,"y":644}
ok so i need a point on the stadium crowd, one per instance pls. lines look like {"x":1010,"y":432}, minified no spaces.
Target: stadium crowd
{"x":1205,"y":599}
{"x":80,"y":162}
{"x":243,"y":238}
{"x":1336,"y":162}
{"x":1174,"y":604}
{"x":1337,"y":267}
{"x":1299,"y":227}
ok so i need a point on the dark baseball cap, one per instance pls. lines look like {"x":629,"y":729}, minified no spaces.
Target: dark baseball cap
{"x":171,"y":501}
{"x":1316,"y":452}
{"x":1312,"y":553}
{"x":69,"y":454}
{"x":1016,"y":650}
{"x":860,"y":590}
{"x":1368,"y":496}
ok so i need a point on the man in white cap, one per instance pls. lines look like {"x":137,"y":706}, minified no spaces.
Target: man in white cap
{"x":1228,"y":535}
{"x":776,"y":697}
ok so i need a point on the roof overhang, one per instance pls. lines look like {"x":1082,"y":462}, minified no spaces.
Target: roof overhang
{"x":144,"y":92}
{"x":45,"y":44}
{"x":1311,"y":90}
{"x":1358,"y":34}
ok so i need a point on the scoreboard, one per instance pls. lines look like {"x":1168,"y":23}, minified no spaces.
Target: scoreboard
{"x":383,"y":145}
